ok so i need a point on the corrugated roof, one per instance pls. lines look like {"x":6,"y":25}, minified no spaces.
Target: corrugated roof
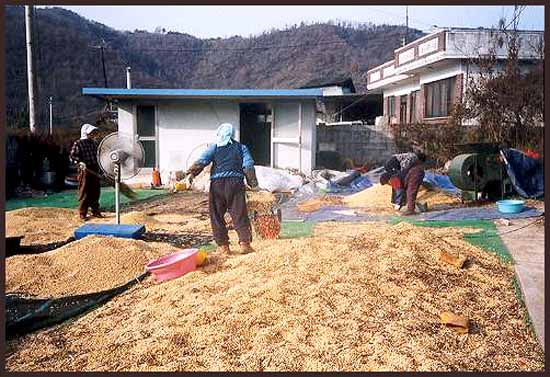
{"x":202,"y":93}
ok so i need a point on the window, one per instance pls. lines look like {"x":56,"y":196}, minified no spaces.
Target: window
{"x":403,"y":109}
{"x":146,"y":130}
{"x":439,"y":98}
{"x":414,"y":101}
{"x":391,"y":106}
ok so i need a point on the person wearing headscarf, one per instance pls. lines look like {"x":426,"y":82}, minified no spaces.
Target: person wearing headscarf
{"x":403,"y":180}
{"x":84,"y":153}
{"x":231,"y":164}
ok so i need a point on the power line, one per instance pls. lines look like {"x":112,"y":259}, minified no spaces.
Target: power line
{"x":184,"y":49}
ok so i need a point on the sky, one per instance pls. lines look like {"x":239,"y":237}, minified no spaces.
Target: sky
{"x":225,"y":21}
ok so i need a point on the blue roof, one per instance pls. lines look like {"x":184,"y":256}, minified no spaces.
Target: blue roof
{"x":203,"y":93}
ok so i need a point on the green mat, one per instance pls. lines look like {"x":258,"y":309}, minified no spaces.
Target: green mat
{"x":296,"y":229}
{"x":487,"y":239}
{"x":69,"y":199}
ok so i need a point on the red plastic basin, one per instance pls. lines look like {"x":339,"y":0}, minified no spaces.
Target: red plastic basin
{"x":173,"y":265}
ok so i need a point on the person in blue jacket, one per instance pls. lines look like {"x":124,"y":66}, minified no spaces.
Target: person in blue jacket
{"x":231,"y":163}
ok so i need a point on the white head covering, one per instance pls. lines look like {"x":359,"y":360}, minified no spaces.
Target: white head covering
{"x":224,"y":134}
{"x":85,"y":130}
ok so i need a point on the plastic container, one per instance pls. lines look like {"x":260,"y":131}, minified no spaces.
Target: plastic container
{"x":510,"y":206}
{"x":156,"y":181}
{"x":173,"y":265}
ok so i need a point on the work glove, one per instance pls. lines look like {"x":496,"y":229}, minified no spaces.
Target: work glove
{"x":188,"y":180}
{"x":251,"y":179}
{"x":195,"y":169}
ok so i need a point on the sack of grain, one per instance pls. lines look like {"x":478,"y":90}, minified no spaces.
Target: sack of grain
{"x":267,"y":226}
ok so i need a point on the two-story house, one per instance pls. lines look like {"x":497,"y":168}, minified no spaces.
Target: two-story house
{"x":427,"y":76}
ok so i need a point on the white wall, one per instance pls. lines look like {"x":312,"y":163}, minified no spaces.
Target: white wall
{"x":126,"y":119}
{"x":286,"y":155}
{"x":451,"y":69}
{"x":440,"y":72}
{"x":473,"y":43}
{"x":185,"y":127}
{"x":400,"y":90}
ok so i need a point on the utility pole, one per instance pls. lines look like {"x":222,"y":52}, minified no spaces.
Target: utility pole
{"x":128,"y":78}
{"x":30,"y":68}
{"x":103,"y":64}
{"x":101,"y":48}
{"x":406,"y":24}
{"x":51,"y":116}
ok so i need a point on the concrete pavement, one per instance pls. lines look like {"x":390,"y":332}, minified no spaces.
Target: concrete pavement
{"x":527,"y":248}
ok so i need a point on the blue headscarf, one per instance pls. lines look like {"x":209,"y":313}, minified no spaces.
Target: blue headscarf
{"x":224,"y":134}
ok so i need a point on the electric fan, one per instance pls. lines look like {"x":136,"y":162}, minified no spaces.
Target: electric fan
{"x":120,"y":157}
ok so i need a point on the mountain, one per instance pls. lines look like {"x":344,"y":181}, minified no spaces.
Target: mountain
{"x":68,"y":58}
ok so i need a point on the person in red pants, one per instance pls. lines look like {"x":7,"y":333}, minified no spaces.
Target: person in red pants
{"x":412,"y":183}
{"x":84,"y":152}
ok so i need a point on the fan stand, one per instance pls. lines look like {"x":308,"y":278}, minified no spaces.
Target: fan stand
{"x":117,"y":192}
{"x":112,"y":160}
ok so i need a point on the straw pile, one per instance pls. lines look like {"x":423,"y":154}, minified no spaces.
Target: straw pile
{"x":353,"y":297}
{"x":378,"y":198}
{"x":163,"y":222}
{"x":315,"y":204}
{"x":42,"y":225}
{"x":260,"y":201}
{"x":91,"y":264}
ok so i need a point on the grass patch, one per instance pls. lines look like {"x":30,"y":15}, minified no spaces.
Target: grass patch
{"x":523,"y":305}
{"x":209,"y":247}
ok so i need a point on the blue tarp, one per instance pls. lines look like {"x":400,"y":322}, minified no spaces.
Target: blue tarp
{"x":477,"y":213}
{"x":358,"y":184}
{"x":526,"y":173}
{"x":442,"y":182}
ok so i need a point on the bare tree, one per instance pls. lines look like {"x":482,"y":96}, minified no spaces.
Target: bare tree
{"x":505,"y":97}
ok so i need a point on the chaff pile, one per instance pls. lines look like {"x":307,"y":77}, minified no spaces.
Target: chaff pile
{"x":378,"y":198}
{"x":91,"y":264}
{"x":361,"y":296}
{"x":260,"y":201}
{"x":42,"y":225}
{"x":163,"y":222}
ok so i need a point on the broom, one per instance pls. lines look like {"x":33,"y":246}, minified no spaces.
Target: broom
{"x":124,"y":188}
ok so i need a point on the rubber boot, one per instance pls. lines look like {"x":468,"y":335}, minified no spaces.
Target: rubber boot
{"x":245,"y":248}
{"x":224,"y":249}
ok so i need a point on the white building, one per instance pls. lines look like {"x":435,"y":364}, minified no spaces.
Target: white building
{"x":430,"y":74}
{"x":175,"y":125}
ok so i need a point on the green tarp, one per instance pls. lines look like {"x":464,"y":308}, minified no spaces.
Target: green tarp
{"x":69,"y":199}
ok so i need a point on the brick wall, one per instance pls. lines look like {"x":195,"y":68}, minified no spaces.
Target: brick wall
{"x":459,"y":85}
{"x":363,"y":144}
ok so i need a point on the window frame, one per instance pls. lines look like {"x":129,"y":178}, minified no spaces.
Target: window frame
{"x":414,"y":106}
{"x":439,"y":98}
{"x":391,"y":106}
{"x":153,"y":138}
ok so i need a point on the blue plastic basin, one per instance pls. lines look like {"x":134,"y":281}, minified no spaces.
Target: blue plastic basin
{"x":510,"y":206}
